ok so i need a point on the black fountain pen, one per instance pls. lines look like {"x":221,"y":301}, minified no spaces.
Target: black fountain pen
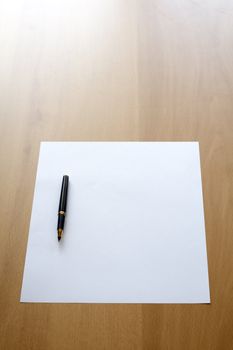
{"x":62,"y":206}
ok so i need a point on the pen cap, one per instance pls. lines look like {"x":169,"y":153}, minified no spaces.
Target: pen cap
{"x":64,"y":193}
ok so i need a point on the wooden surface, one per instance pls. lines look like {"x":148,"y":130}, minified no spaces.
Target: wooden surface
{"x":116,"y":70}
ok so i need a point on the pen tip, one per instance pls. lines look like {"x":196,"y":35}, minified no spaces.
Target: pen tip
{"x":59,"y":234}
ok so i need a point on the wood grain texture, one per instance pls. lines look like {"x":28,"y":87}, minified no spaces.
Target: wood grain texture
{"x":116,"y":70}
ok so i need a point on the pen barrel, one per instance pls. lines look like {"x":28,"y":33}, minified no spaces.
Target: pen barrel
{"x":60,"y":221}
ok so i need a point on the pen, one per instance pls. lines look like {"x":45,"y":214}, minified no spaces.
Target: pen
{"x":62,"y":206}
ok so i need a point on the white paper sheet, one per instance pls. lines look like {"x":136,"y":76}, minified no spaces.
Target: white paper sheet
{"x":134,"y":230}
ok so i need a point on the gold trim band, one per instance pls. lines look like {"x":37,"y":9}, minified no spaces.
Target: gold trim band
{"x":61,"y":213}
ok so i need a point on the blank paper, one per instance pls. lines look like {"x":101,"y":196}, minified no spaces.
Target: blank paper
{"x":134,"y":230}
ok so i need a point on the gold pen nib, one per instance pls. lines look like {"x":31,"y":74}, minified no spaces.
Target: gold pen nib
{"x":59,"y":233}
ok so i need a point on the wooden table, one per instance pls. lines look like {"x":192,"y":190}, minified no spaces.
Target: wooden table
{"x":116,"y":70}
